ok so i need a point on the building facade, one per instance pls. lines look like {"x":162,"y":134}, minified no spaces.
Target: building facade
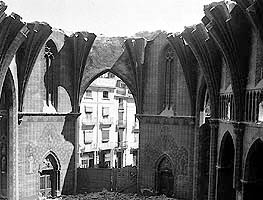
{"x":109,"y":131}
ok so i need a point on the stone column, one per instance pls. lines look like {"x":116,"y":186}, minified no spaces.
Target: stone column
{"x":213,"y":159}
{"x":243,"y":193}
{"x":70,"y":132}
{"x":57,"y":180}
{"x":76,"y":152}
{"x":239,"y":129}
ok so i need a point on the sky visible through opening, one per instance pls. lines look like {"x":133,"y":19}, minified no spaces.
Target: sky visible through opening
{"x":111,"y":17}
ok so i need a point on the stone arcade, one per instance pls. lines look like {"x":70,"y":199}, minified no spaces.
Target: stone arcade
{"x":198,"y":96}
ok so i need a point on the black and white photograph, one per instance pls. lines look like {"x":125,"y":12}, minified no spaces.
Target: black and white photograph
{"x":131,"y":99}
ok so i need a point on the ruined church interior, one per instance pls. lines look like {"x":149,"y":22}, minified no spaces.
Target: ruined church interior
{"x":198,"y":96}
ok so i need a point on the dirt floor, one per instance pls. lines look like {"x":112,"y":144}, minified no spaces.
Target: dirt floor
{"x":105,"y":195}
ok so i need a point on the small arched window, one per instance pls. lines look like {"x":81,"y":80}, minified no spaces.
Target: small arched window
{"x":169,"y":58}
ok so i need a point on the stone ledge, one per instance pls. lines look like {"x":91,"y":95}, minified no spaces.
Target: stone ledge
{"x":174,"y":120}
{"x":48,"y":117}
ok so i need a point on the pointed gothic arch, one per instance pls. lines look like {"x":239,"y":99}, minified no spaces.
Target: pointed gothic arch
{"x":225,"y":169}
{"x":49,"y":175}
{"x":164,"y":175}
{"x":105,"y":116}
{"x":253,"y":173}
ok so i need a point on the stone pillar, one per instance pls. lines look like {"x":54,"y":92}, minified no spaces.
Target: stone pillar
{"x":76,"y":150}
{"x":244,"y":192}
{"x":57,"y":189}
{"x":70,"y":132}
{"x":196,"y":172}
{"x":239,"y":129}
{"x":213,"y":159}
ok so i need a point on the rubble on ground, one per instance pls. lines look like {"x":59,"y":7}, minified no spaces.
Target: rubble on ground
{"x":105,"y":195}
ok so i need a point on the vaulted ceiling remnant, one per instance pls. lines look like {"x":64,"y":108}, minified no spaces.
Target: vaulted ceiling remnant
{"x":80,"y":44}
{"x":27,"y":54}
{"x":131,"y":67}
{"x":209,"y":60}
{"x":70,"y":62}
{"x":3,"y":7}
{"x":12,"y":33}
{"x":228,"y":29}
{"x":103,"y":54}
{"x":189,"y":65}
{"x":254,"y":10}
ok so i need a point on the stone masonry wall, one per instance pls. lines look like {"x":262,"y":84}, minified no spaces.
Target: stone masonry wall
{"x":39,"y":135}
{"x":173,"y":137}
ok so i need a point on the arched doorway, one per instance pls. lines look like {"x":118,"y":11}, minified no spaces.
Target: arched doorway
{"x":49,"y":176}
{"x":165,"y":177}
{"x":253,"y":183}
{"x":225,"y":190}
{"x":202,"y":154}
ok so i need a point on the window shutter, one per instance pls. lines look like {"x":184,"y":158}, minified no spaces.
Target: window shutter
{"x":88,"y":136}
{"x":105,"y":135}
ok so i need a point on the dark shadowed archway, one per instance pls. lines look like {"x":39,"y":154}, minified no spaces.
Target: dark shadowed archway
{"x":164,"y":176}
{"x":253,"y":177}
{"x":50,"y":175}
{"x":225,"y":169}
{"x":202,"y":140}
{"x":203,"y":160}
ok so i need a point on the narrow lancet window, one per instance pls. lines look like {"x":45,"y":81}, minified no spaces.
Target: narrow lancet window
{"x":51,"y":88}
{"x":168,"y":77}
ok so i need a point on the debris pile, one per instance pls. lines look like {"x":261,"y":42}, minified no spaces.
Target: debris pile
{"x":105,"y":195}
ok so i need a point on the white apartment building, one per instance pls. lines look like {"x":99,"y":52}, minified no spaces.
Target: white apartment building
{"x":108,"y":131}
